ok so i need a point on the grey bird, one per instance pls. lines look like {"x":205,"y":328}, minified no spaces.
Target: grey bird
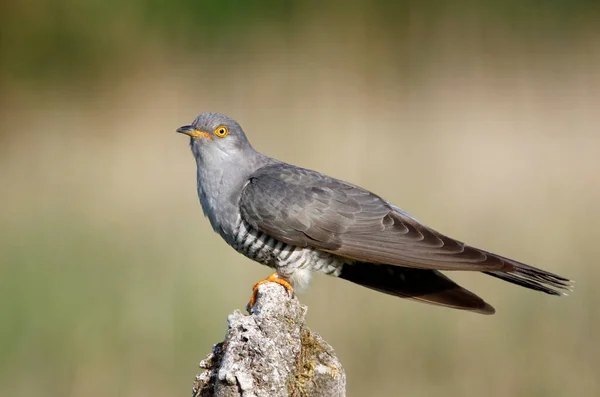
{"x":298,"y":221}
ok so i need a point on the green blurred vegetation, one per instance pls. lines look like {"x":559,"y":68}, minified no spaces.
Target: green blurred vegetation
{"x":65,"y":39}
{"x":479,"y":118}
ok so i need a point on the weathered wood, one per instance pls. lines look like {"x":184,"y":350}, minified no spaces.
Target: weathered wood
{"x":271,"y":352}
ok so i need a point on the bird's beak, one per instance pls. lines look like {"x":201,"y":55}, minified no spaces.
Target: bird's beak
{"x":193,"y":132}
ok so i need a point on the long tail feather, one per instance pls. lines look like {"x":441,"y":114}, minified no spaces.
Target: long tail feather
{"x":531,"y":277}
{"x":428,"y":286}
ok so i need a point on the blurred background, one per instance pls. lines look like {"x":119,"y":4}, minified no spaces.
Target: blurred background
{"x":480,"y":118}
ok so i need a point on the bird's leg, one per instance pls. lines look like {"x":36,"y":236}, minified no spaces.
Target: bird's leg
{"x":274,"y":278}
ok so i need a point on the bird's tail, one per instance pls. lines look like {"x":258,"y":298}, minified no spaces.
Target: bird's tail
{"x":531,"y":277}
{"x":429,"y":286}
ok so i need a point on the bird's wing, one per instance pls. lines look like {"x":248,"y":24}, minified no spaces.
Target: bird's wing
{"x":305,"y":208}
{"x":308,"y":209}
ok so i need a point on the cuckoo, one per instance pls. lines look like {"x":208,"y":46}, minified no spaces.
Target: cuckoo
{"x":298,"y":221}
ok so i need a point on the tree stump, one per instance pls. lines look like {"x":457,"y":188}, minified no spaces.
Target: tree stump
{"x":271,"y":352}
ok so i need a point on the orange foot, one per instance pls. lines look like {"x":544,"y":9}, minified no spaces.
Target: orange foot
{"x":274,"y":278}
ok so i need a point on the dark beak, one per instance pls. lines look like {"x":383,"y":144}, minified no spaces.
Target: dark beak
{"x":186,"y":129}
{"x":193,"y":132}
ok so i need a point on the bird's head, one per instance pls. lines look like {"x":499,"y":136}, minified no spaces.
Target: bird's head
{"x":215,"y":136}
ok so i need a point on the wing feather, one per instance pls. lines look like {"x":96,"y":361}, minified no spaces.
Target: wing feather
{"x":308,"y":209}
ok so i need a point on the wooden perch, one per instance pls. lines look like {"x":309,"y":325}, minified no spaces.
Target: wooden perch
{"x":271,"y":353}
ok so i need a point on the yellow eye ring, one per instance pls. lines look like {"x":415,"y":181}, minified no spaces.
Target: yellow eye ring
{"x":221,"y":131}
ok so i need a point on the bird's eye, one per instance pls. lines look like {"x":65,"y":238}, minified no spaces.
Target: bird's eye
{"x":221,"y":131}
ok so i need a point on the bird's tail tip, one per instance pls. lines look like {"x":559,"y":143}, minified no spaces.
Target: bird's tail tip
{"x":535,"y":279}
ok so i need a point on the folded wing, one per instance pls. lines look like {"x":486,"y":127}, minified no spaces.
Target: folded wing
{"x":306,"y":208}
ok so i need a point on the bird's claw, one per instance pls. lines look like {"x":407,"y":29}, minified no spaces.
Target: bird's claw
{"x":273,"y":278}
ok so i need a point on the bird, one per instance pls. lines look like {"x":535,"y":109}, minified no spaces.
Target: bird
{"x":299,"y":222}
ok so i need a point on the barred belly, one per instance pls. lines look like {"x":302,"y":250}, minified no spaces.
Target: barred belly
{"x":291,"y":262}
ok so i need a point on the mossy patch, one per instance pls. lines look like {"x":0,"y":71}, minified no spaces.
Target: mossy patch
{"x":306,"y":362}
